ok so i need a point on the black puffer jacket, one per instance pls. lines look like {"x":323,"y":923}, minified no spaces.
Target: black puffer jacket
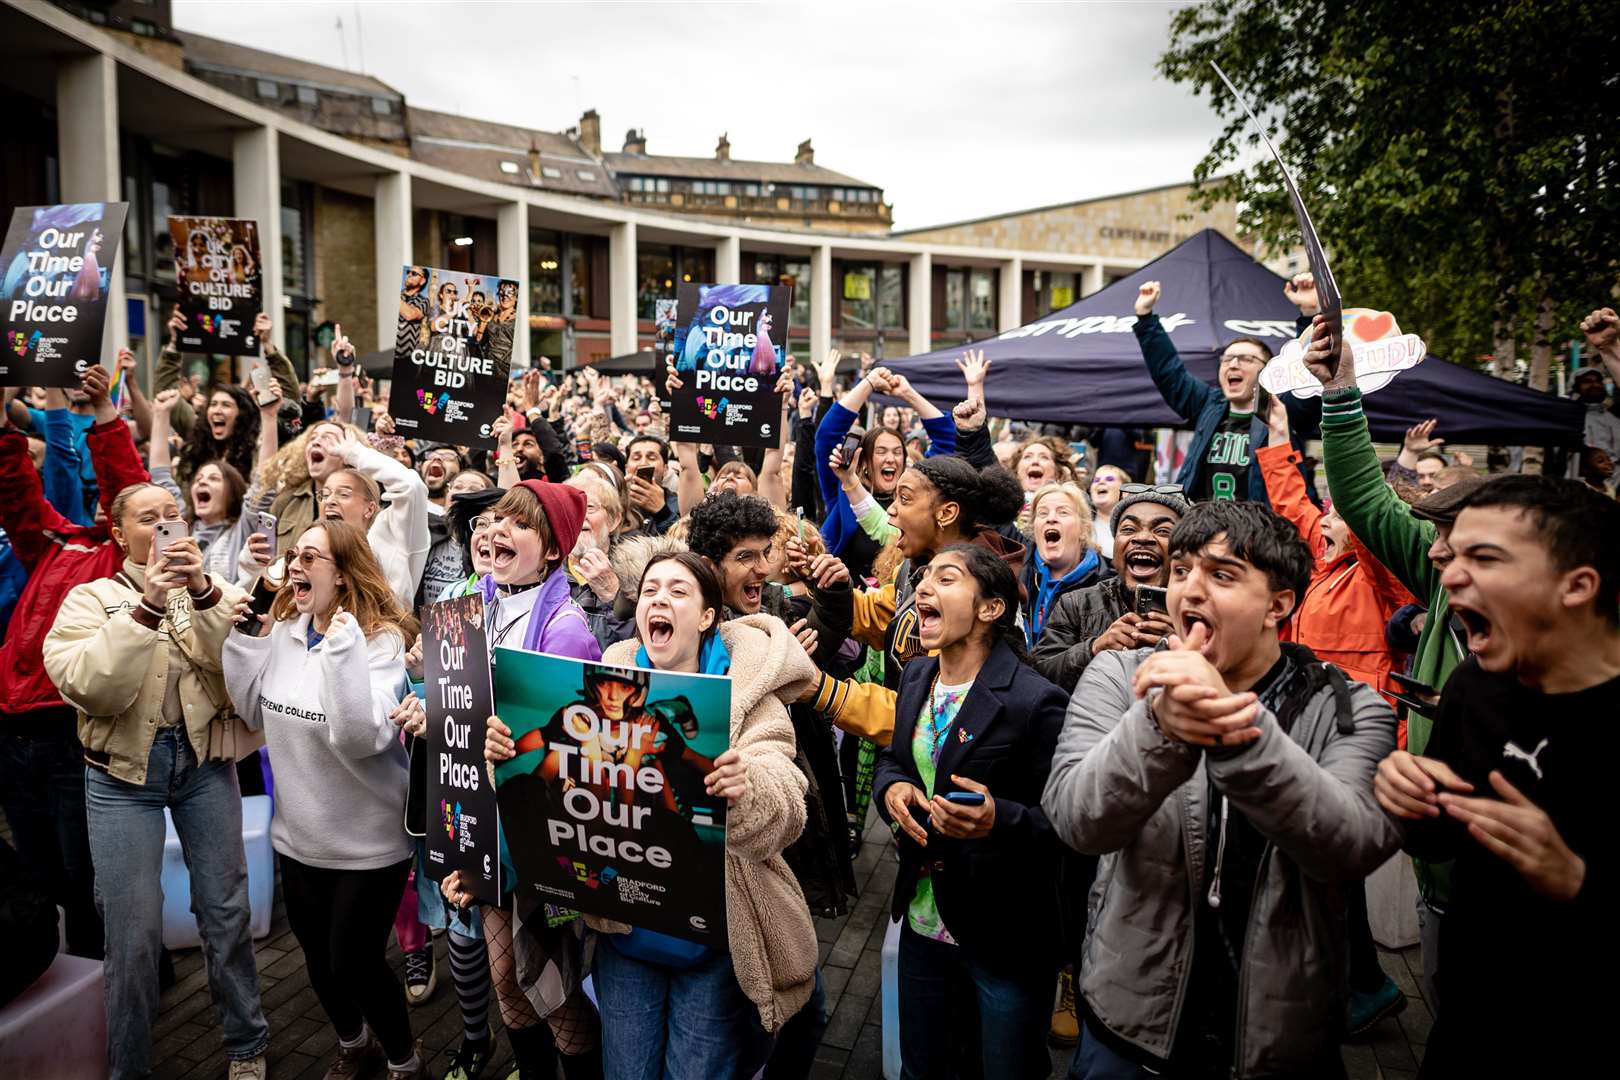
{"x":1077,"y":619}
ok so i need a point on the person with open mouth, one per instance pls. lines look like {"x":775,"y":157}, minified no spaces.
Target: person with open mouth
{"x":323,"y":675}
{"x":1060,"y":524}
{"x":1113,"y":614}
{"x":1228,"y":417}
{"x":960,"y":787}
{"x":386,"y":501}
{"x":652,"y":984}
{"x":1104,"y":492}
{"x":1235,"y":744}
{"x":529,"y":604}
{"x":1512,"y":790}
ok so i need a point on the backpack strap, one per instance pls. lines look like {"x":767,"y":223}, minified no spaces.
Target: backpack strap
{"x":1341,"y":698}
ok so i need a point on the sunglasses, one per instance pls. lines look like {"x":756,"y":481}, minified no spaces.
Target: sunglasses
{"x":305,"y":557}
{"x":1157,"y":489}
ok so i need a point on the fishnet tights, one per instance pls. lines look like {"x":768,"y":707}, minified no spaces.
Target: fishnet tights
{"x":574,"y":1024}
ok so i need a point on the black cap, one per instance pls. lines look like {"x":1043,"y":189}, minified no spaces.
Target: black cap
{"x":1443,"y":506}
{"x":466,"y":505}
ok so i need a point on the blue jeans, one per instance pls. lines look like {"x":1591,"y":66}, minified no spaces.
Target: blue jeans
{"x":1094,"y":1060}
{"x":951,"y":1006}
{"x":42,"y":793}
{"x":126,"y":841}
{"x":675,"y":1024}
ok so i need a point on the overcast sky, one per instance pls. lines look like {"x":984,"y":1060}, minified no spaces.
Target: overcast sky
{"x":956,"y":111}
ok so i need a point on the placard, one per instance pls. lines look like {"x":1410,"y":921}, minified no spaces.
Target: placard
{"x":663,"y":348}
{"x":461,"y":820}
{"x":727,"y":353}
{"x":57,"y":265}
{"x":1379,"y":348}
{"x":452,"y":354}
{"x":604,"y":806}
{"x":216,"y":267}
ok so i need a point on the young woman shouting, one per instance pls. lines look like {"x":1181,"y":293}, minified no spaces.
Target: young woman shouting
{"x":960,"y":785}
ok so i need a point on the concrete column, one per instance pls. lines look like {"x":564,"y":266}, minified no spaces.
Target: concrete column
{"x":1010,"y":306}
{"x":821,"y":302}
{"x":87,"y":143}
{"x":256,"y":175}
{"x":391,"y":210}
{"x":512,"y":257}
{"x":728,"y":260}
{"x":920,"y":303}
{"x":1093,"y":280}
{"x":622,"y":290}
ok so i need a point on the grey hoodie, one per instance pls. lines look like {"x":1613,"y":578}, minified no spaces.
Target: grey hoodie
{"x":1121,"y":789}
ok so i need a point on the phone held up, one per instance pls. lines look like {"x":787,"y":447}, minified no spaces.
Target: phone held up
{"x":846,"y":451}
{"x":165,"y":533}
{"x":264,"y":594}
{"x":1152,"y":600}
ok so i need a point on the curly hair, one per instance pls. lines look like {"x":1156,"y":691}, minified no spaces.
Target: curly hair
{"x":1062,"y":454}
{"x":236,"y":449}
{"x":723,"y":519}
{"x":987,"y":497}
{"x":288,"y":469}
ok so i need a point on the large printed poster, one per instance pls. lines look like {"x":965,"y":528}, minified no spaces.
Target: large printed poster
{"x":729,"y":342}
{"x":216,"y":267}
{"x":452,"y":354}
{"x":57,"y":266}
{"x":604,"y":807}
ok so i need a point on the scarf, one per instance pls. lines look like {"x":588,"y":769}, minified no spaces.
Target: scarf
{"x":713,"y":659}
{"x":1047,"y":590}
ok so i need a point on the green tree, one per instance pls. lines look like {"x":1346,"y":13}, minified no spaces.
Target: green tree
{"x":1459,"y":160}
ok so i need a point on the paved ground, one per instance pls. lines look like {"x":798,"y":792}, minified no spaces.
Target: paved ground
{"x":187,"y":1041}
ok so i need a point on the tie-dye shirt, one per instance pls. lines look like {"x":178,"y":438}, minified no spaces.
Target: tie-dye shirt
{"x":933,"y":725}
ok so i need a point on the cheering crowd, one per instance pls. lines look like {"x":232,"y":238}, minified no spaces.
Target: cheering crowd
{"x":1139,"y":740}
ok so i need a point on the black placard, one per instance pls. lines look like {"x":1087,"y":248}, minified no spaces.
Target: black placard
{"x":729,"y":343}
{"x":57,"y":266}
{"x":452,"y":354}
{"x":216,"y":268}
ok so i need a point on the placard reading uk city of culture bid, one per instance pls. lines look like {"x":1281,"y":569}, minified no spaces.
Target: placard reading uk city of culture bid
{"x":216,"y":266}
{"x":57,"y":267}
{"x":452,"y":354}
{"x":461,"y":820}
{"x":730,"y":342}
{"x":604,"y":806}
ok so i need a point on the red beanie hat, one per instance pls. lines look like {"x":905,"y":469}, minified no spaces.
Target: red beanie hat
{"x":565,"y":511}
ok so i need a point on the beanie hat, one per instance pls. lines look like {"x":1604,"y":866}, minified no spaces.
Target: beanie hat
{"x":1173,"y":499}
{"x":565,"y":510}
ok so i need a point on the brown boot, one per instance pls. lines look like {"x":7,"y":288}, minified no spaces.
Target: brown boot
{"x":358,"y":1061}
{"x":1065,"y":1024}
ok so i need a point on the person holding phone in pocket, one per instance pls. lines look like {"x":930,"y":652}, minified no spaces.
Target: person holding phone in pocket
{"x":960,"y":786}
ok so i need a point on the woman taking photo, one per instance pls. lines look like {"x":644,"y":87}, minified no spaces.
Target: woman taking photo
{"x":677,"y":1008}
{"x":960,"y":785}
{"x":138,"y":654}
{"x":324,"y":685}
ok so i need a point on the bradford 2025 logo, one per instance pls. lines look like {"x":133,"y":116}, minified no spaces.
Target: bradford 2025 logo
{"x":712,"y":408}
{"x":20,"y":344}
{"x":591,"y":879}
{"x":431,"y":404}
{"x":452,"y":817}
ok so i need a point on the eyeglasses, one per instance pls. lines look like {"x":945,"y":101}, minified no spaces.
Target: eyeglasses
{"x":1157,"y":489}
{"x":752,"y":559}
{"x":334,"y":493}
{"x":305,"y":557}
{"x":483,"y":523}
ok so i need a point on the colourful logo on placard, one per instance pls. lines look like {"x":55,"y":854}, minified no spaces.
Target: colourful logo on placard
{"x":20,"y":344}
{"x":583,"y":874}
{"x":207,"y":322}
{"x":711,"y":408}
{"x":450,"y":816}
{"x":429,"y":403}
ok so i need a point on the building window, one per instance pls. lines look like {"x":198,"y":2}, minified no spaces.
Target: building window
{"x":982,"y":300}
{"x":381,"y":106}
{"x":510,"y":168}
{"x":545,"y":273}
{"x":308,"y":96}
{"x":579,"y":275}
{"x":955,"y":299}
{"x":858,"y":297}
{"x":550,"y":172}
{"x":143,"y":27}
{"x":268,"y":89}
{"x":1060,"y":291}
{"x":797,"y":274}
{"x":892,"y":297}
{"x":295,"y":219}
{"x":655,"y":276}
{"x":586,"y":175}
{"x":696,"y":265}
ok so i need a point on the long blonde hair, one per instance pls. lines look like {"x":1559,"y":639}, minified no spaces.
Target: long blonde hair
{"x":365,"y":592}
{"x":287,"y":468}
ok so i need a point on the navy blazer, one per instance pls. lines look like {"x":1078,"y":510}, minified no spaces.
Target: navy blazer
{"x":998,"y":894}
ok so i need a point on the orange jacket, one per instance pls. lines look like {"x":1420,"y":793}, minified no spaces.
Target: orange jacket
{"x":1350,"y":599}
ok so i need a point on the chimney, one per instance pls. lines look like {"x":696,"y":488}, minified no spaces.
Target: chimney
{"x":635,"y":141}
{"x":806,"y":154}
{"x":534,"y":164}
{"x":722,"y":149}
{"x":590,"y":133}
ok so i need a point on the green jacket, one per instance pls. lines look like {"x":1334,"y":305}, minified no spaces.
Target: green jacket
{"x":1384,"y":525}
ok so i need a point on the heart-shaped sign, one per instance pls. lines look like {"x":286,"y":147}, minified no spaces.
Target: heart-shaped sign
{"x":1373,"y":327}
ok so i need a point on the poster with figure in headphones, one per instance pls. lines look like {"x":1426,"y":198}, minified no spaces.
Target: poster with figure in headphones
{"x":604,"y":807}
{"x":55,"y":275}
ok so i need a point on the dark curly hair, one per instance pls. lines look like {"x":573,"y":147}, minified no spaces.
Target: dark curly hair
{"x":988,"y":497}
{"x":722,"y":520}
{"x":237,"y":449}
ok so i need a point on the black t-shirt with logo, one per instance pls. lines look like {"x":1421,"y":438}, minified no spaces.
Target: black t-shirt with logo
{"x":1225,"y":473}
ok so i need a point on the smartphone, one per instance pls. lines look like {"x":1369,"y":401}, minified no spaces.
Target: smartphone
{"x":647,"y":472}
{"x":1150,"y":599}
{"x":165,"y":533}
{"x":1413,"y":686}
{"x":265,"y":526}
{"x":798,"y":514}
{"x":264,"y":594}
{"x":263,"y":392}
{"x":846,"y":452}
{"x":582,"y":449}
{"x":965,"y":798}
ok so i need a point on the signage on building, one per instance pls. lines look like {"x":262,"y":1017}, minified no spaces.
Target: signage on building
{"x":452,"y":354}
{"x":217,"y":271}
{"x":57,"y":266}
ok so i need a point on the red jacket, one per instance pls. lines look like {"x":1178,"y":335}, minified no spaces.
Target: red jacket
{"x":1349,"y":601}
{"x":58,"y":554}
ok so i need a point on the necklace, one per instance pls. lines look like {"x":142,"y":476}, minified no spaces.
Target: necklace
{"x":936,"y":730}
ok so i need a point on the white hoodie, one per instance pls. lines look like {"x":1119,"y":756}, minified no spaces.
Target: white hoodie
{"x":341,"y":772}
{"x":399,"y":533}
